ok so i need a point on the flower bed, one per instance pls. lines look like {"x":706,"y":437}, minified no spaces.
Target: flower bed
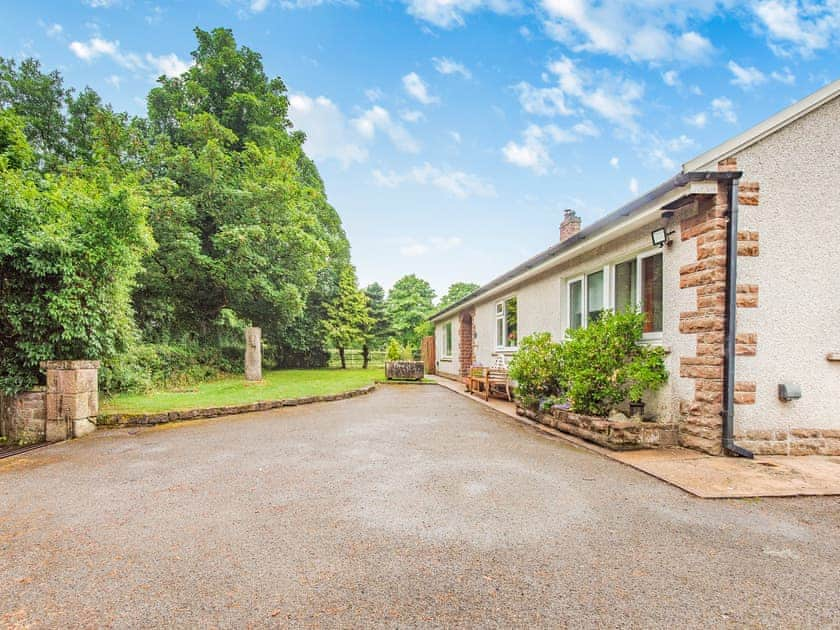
{"x":616,"y":435}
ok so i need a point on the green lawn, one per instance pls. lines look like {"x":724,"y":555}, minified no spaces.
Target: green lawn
{"x":233,"y":390}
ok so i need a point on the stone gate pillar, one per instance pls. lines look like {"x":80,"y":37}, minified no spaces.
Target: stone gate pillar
{"x":253,"y":354}
{"x":72,"y":398}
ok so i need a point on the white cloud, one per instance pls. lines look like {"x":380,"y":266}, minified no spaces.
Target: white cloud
{"x":114,"y":80}
{"x":456,"y":183}
{"x":417,"y":89}
{"x":456,"y":137}
{"x":533,"y":152}
{"x":412,"y":115}
{"x":801,"y":27}
{"x":54,"y":30}
{"x":658,"y":152}
{"x":373,"y":94}
{"x":641,"y":30}
{"x":258,"y":6}
{"x":614,"y":161}
{"x":451,"y":13}
{"x":449,"y":66}
{"x":525,"y":32}
{"x":328,"y":134}
{"x":414,"y":247}
{"x":634,"y":186}
{"x":671,"y":78}
{"x":745,"y":77}
{"x":722,"y":108}
{"x":784,"y":76}
{"x":698,"y":120}
{"x":541,"y":101}
{"x":96,"y":47}
{"x":101,"y":4}
{"x":379,"y":119}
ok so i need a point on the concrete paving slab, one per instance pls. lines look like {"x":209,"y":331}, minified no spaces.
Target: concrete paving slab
{"x":703,"y":475}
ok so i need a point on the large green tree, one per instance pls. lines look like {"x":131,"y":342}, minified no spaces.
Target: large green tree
{"x":408,"y":306}
{"x":379,"y":326}
{"x":347,"y":315}
{"x":457,"y":291}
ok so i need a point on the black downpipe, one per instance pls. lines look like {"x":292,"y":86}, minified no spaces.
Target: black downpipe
{"x":728,"y":411}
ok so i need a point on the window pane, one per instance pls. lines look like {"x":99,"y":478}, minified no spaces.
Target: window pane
{"x":576,"y":304}
{"x":625,"y":285}
{"x":447,"y":344}
{"x":594,"y":295}
{"x":510,"y":321}
{"x":652,"y":293}
{"x":500,"y":308}
{"x":500,"y":332}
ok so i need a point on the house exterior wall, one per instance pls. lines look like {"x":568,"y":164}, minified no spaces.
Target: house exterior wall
{"x":796,"y":318}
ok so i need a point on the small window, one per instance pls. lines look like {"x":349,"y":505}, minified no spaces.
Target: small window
{"x":651,"y":283}
{"x":447,"y":339}
{"x":624,"y":293}
{"x":506,"y":324}
{"x":576,"y":304}
{"x":594,"y":295}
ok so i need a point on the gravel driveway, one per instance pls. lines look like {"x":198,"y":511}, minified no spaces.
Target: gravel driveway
{"x":409,"y":507}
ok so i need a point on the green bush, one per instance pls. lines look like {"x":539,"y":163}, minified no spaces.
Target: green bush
{"x":146,"y":367}
{"x":394,"y":350}
{"x":538,"y":369}
{"x":605,"y":364}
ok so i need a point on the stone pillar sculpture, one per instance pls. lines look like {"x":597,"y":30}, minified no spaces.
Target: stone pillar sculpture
{"x":72,"y":398}
{"x":253,"y":354}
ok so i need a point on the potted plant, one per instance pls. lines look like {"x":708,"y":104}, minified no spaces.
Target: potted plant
{"x":400,"y":364}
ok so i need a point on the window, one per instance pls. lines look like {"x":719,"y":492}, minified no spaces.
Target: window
{"x":506,"y":324}
{"x":624,"y":286}
{"x":594,"y":295}
{"x":635,"y":284}
{"x":576,"y":304}
{"x":651,"y":283}
{"x":447,"y":339}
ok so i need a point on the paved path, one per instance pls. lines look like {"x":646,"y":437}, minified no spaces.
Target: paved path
{"x":410,"y":506}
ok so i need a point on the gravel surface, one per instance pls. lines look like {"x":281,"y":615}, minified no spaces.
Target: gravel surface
{"x":409,"y":507}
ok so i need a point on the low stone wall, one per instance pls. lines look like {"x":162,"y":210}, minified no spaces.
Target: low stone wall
{"x":23,"y":418}
{"x":618,"y":436}
{"x":128,"y":420}
{"x":793,"y":442}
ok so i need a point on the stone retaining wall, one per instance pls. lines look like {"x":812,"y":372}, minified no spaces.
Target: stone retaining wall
{"x":128,"y":420}
{"x":23,"y":418}
{"x":618,"y":436}
{"x":793,"y":442}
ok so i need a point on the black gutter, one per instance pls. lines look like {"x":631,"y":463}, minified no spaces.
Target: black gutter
{"x":728,"y":410}
{"x":681,"y":179}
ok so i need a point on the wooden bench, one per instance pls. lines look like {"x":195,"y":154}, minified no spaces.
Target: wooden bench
{"x":492,"y":381}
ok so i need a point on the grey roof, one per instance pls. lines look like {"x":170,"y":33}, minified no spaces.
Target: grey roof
{"x":617,"y":216}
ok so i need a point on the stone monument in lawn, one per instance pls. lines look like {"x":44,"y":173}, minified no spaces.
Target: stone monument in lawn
{"x":253,"y":354}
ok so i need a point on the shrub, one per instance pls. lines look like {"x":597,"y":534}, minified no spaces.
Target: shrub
{"x":394,"y":350}
{"x":538,"y":369}
{"x":605,"y":363}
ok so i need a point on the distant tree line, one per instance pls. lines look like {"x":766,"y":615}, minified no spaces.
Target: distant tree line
{"x":150,"y":242}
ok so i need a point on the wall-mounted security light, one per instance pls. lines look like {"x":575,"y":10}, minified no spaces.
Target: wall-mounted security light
{"x":661,"y":237}
{"x":789,"y":391}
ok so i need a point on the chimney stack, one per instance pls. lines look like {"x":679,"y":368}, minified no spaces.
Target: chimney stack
{"x":570,"y":225}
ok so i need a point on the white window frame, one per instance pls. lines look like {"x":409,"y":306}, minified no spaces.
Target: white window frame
{"x":447,"y":337}
{"x":503,"y":316}
{"x":609,"y":295}
{"x":651,"y":336}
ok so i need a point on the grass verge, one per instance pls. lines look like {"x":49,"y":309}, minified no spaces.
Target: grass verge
{"x":234,"y":390}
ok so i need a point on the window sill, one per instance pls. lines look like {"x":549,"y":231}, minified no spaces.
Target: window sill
{"x":509,"y":350}
{"x":446,"y":359}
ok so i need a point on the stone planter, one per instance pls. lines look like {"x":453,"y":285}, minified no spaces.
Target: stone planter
{"x":404,"y":370}
{"x":618,"y":436}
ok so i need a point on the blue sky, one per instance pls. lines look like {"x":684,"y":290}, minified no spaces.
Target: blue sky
{"x":451,"y":134}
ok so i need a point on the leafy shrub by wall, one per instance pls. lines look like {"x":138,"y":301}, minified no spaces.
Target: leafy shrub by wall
{"x":538,"y":369}
{"x":605,"y":363}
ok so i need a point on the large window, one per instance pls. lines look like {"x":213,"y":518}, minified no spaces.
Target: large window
{"x":634,"y":284}
{"x":506,"y":324}
{"x":447,"y":339}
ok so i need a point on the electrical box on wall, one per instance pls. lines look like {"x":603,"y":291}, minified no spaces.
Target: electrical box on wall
{"x":789,"y":391}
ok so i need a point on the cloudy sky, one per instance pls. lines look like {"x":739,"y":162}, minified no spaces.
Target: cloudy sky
{"x":452,"y":133}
